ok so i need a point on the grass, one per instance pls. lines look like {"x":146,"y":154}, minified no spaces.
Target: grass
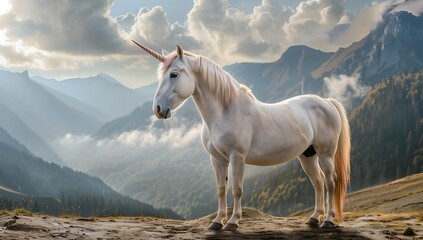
{"x":4,"y":212}
{"x":22,"y":211}
{"x":68,"y":216}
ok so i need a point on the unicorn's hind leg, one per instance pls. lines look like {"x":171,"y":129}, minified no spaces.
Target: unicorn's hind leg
{"x":221,"y":171}
{"x":328,"y":167}
{"x":315,"y":173}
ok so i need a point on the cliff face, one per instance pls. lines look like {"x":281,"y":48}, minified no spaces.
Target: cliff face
{"x":393,"y":47}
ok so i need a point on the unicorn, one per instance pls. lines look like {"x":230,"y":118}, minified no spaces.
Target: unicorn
{"x":238,"y":129}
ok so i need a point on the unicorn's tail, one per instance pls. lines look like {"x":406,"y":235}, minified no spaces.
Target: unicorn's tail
{"x":342,"y":162}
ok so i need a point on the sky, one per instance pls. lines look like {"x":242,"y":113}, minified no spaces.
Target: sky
{"x":77,"y":38}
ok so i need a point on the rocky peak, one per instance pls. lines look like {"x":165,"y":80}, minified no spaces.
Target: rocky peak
{"x":394,"y":46}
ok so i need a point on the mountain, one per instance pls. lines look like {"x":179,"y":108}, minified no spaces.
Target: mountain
{"x":393,"y":47}
{"x":139,"y":118}
{"x":20,"y":131}
{"x":28,"y":181}
{"x":9,"y":140}
{"x":103,"y":93}
{"x":146,"y":93}
{"x":40,"y":110}
{"x":82,"y":107}
{"x":287,"y":77}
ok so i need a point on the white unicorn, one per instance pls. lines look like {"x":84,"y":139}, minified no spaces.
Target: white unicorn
{"x":238,"y":129}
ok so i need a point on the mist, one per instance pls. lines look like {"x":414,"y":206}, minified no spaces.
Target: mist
{"x":345,"y":88}
{"x":84,"y":152}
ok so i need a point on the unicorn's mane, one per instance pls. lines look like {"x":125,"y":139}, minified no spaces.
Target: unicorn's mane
{"x":213,"y":76}
{"x":217,"y":80}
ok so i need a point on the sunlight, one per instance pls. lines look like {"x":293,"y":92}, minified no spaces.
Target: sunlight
{"x":5,"y":6}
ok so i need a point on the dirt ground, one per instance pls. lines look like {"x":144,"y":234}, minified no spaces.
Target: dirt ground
{"x":255,"y":225}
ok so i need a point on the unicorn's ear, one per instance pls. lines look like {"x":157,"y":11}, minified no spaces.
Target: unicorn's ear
{"x":164,"y":52}
{"x":179,"y":51}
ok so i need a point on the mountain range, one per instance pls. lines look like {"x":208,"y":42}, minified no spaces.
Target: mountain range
{"x":102,"y":92}
{"x":118,"y":139}
{"x":38,"y":111}
{"x":392,"y":48}
{"x":290,"y":75}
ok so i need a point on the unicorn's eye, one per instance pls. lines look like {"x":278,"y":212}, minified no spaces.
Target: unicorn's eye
{"x":174,"y":75}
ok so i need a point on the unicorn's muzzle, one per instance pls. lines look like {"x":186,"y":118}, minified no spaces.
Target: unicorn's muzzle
{"x":162,"y":112}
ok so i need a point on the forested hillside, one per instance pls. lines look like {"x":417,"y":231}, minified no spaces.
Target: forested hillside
{"x":387,"y":131}
{"x":28,"y":181}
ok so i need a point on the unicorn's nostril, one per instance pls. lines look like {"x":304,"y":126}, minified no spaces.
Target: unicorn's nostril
{"x":158,"y":109}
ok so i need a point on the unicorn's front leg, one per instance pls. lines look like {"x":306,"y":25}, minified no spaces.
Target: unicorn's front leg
{"x":238,"y":165}
{"x":221,"y":171}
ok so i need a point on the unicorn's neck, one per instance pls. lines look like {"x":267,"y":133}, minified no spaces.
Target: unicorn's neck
{"x":215,"y":90}
{"x":217,"y":81}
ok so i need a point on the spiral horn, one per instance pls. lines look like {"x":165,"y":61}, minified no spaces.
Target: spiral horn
{"x":158,"y":56}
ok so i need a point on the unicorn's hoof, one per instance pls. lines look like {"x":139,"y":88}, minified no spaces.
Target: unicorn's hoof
{"x":327,"y":224}
{"x":312,"y":222}
{"x":215,"y":226}
{"x":230,"y":227}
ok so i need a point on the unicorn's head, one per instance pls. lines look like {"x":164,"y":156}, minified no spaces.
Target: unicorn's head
{"x":176,"y":81}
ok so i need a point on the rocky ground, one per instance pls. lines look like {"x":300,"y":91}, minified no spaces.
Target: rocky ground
{"x":255,"y":225}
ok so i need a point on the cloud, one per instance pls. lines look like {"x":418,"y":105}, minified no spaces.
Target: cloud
{"x":312,"y":21}
{"x":413,"y":6}
{"x":152,"y":27}
{"x":72,"y":26}
{"x":230,"y":33}
{"x":343,"y":88}
{"x":126,"y":21}
{"x":5,"y":6}
{"x":173,"y":137}
{"x":267,"y":20}
{"x":362,"y":24}
{"x":16,"y":54}
{"x":134,"y":145}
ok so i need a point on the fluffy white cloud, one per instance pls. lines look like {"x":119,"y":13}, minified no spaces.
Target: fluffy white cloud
{"x":362,"y":24}
{"x":267,"y":20}
{"x":343,"y":88}
{"x":230,"y":34}
{"x":73,"y":26}
{"x":126,"y":21}
{"x":149,"y":143}
{"x":153,"y":28}
{"x":312,"y":21}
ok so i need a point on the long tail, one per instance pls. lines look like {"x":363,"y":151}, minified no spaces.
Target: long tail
{"x":342,"y":162}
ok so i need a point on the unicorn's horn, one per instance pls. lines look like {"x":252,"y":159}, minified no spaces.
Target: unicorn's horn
{"x":159,"y":57}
